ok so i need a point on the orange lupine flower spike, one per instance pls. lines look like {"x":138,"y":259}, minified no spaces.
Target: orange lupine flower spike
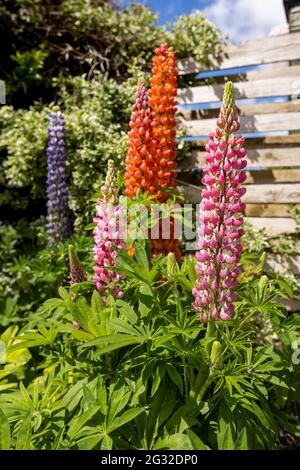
{"x":141,"y":168}
{"x":163,"y":93}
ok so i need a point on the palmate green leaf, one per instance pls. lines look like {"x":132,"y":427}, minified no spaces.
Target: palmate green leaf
{"x":141,"y":255}
{"x":145,"y":300}
{"x":5,"y":435}
{"x":127,"y":311}
{"x":125,"y":418}
{"x":78,"y":423}
{"x":118,"y":399}
{"x":50,"y":305}
{"x":58,"y":441}
{"x":25,"y":396}
{"x":77,"y":334}
{"x":242,"y":440}
{"x":112,"y":342}
{"x":122,"y":327}
{"x":197,"y":443}
{"x":158,"y":375}
{"x":175,"y":376}
{"x":107,"y":443}
{"x":162,"y":408}
{"x":102,"y":395}
{"x":89,"y":442}
{"x":23,"y":441}
{"x":65,"y":295}
{"x":89,"y":400}
{"x":225,"y":438}
{"x":40,"y":337}
{"x":72,"y":398}
{"x":226,"y":428}
{"x":127,"y":264}
{"x":175,"y":442}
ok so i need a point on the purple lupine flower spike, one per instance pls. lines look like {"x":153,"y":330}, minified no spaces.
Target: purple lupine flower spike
{"x":221,"y":216}
{"x":107,"y":237}
{"x":58,"y":213}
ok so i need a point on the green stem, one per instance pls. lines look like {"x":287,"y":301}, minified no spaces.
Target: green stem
{"x":181,"y":318}
{"x":205,"y":387}
{"x":210,"y":333}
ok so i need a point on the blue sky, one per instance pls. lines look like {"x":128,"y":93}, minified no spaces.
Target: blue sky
{"x":240,"y":19}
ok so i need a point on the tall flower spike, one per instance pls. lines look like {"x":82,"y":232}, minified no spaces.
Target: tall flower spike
{"x":77,"y":273}
{"x":163,"y":93}
{"x":58,"y":213}
{"x":107,"y":236}
{"x":141,"y":167}
{"x":221,"y":219}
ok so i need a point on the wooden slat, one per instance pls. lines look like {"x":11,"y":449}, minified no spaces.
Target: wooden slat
{"x":273,"y":176}
{"x":273,"y":193}
{"x":272,"y":72}
{"x":258,"y":123}
{"x":248,"y":110}
{"x":285,"y":47}
{"x":280,"y":193}
{"x":270,"y":210}
{"x":280,"y":263}
{"x":261,"y":142}
{"x":268,"y":157}
{"x":284,"y":85}
{"x":274,"y":226}
{"x":254,"y":176}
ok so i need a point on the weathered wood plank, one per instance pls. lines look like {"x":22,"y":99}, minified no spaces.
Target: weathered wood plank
{"x":261,"y":142}
{"x":267,"y":157}
{"x":280,"y":193}
{"x":258,"y":123}
{"x":254,"y":52}
{"x":273,"y":193}
{"x":280,"y":263}
{"x":248,"y":110}
{"x":275,"y":71}
{"x":284,"y":85}
{"x":274,"y":226}
{"x":270,"y":210}
{"x":266,"y":176}
{"x":273,"y":176}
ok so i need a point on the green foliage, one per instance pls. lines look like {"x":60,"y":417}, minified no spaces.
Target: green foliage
{"x":96,"y":117}
{"x":87,"y":38}
{"x":194,"y":36}
{"x":137,"y":374}
{"x":30,"y":272}
{"x":65,"y":66}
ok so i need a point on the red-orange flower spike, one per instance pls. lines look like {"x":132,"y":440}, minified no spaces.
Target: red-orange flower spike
{"x":163,"y":93}
{"x":141,"y":168}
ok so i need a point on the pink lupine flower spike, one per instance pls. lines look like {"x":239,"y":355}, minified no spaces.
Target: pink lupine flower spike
{"x":221,"y":216}
{"x":107,"y":237}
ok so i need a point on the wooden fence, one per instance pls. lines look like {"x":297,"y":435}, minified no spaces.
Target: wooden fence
{"x":272,"y":128}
